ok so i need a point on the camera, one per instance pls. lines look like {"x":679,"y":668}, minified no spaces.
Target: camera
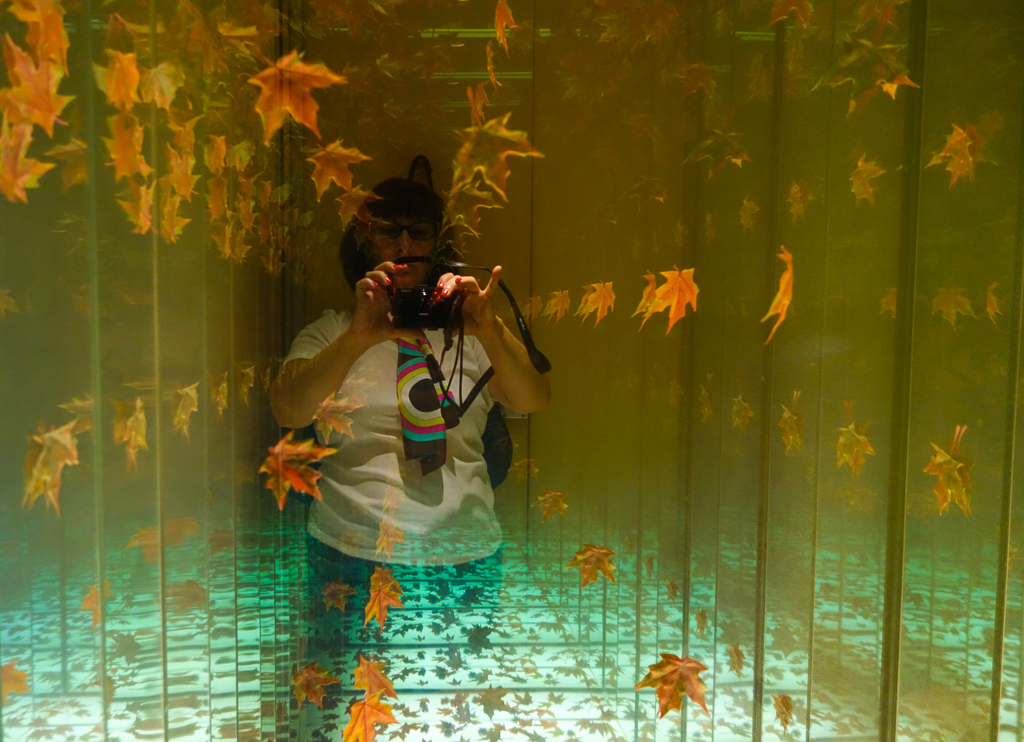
{"x":423,"y":308}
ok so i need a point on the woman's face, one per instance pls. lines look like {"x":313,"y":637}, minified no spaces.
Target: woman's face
{"x":401,"y":237}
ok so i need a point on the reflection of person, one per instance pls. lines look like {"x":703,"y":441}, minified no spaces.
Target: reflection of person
{"x":442,"y":502}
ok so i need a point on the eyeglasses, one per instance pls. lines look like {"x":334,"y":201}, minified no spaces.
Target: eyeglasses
{"x":418,"y":231}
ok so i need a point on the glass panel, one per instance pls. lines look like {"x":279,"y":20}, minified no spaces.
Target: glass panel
{"x":833,"y":193}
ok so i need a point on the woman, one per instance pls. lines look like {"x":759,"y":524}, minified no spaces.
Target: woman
{"x":402,"y":489}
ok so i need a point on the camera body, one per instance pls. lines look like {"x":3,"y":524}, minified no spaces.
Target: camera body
{"x":423,"y":308}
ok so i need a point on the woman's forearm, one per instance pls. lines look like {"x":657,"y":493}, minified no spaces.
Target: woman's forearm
{"x":304,"y":383}
{"x":516,"y":383}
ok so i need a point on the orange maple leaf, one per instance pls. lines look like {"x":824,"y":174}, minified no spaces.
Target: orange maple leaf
{"x":138,"y":204}
{"x":557,"y":305}
{"x":47,"y":35}
{"x":736,"y":658}
{"x":160,"y":84}
{"x":12,"y":680}
{"x":119,"y":80}
{"x":287,"y":467}
{"x":49,"y":452}
{"x":390,"y":534}
{"x":365,"y":715}
{"x":550,"y":501}
{"x":678,"y":290}
{"x":285,"y":88}
{"x":591,"y":559}
{"x":331,"y":164}
{"x":385,"y":593}
{"x":370,"y":677}
{"x":782,"y":9}
{"x":180,"y":175}
{"x":219,"y":392}
{"x":126,"y":146}
{"x":783,"y":297}
{"x":75,"y":155}
{"x":309,"y":684}
{"x":853,"y":444}
{"x":171,"y":222}
{"x":952,"y":302}
{"x":954,"y":474}
{"x":18,"y":172}
{"x":130,"y":427}
{"x":175,"y":531}
{"x":672,"y":677}
{"x":647,"y":297}
{"x":792,"y":426}
{"x":332,"y":415}
{"x":741,"y":413}
{"x":962,"y":151}
{"x":33,"y":92}
{"x":336,"y":593}
{"x":216,"y":150}
{"x":484,"y":151}
{"x":991,"y":302}
{"x":503,"y":20}
{"x":597,"y":297}
{"x":799,"y":195}
{"x":218,"y":197}
{"x":783,"y":710}
{"x":863,"y":179}
{"x":185,"y":596}
{"x":186,"y":401}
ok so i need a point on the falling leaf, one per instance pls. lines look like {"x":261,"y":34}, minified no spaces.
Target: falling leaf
{"x":49,"y":452}
{"x":799,"y":195}
{"x":952,"y":302}
{"x":175,"y":531}
{"x":492,"y":699}
{"x":503,"y":20}
{"x":385,"y":593}
{"x":783,"y":710}
{"x":697,"y":76}
{"x":781,"y":10}
{"x":179,"y":174}
{"x":557,"y":305}
{"x":647,"y":297}
{"x":954,"y":474}
{"x":597,"y":297}
{"x":75,"y":156}
{"x":119,"y":80}
{"x":285,"y":89}
{"x":591,"y":559}
{"x":672,"y":677}
{"x":741,"y":413}
{"x":701,"y":617}
{"x":331,"y":164}
{"x":219,"y":392}
{"x":891,"y":86}
{"x":91,"y":602}
{"x":160,"y":84}
{"x":792,"y":426}
{"x":369,"y":676}
{"x":46,"y":35}
{"x":32,"y":96}
{"x":332,"y":414}
{"x":186,"y":401}
{"x":216,"y":150}
{"x":678,"y":291}
{"x":12,"y":680}
{"x":783,"y":297}
{"x":863,"y":179}
{"x":309,"y":684}
{"x":550,"y":501}
{"x":126,"y":147}
{"x":390,"y":534}
{"x":17,"y":171}
{"x":736,"y":658}
{"x":185,"y":596}
{"x":961,"y":153}
{"x":138,"y":204}
{"x":888,"y":303}
{"x":747,"y":211}
{"x":336,"y":593}
{"x":288,"y":467}
{"x":991,"y":303}
{"x":853,"y":444}
{"x":130,"y":427}
{"x":484,"y":152}
{"x":365,"y":714}
{"x":246,"y":381}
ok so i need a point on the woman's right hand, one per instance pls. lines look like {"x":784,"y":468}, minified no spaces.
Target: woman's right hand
{"x":372,"y":321}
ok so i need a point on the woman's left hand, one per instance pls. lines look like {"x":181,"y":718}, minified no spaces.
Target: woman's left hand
{"x":478,"y":312}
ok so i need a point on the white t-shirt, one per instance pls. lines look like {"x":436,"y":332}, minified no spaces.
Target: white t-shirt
{"x":447,"y":516}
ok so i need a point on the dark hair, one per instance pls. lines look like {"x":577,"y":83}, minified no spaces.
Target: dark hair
{"x":394,"y":198}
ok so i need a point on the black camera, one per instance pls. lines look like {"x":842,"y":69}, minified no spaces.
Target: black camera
{"x":424,"y":308}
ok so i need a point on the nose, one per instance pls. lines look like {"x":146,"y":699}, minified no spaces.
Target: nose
{"x":404,"y":243}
